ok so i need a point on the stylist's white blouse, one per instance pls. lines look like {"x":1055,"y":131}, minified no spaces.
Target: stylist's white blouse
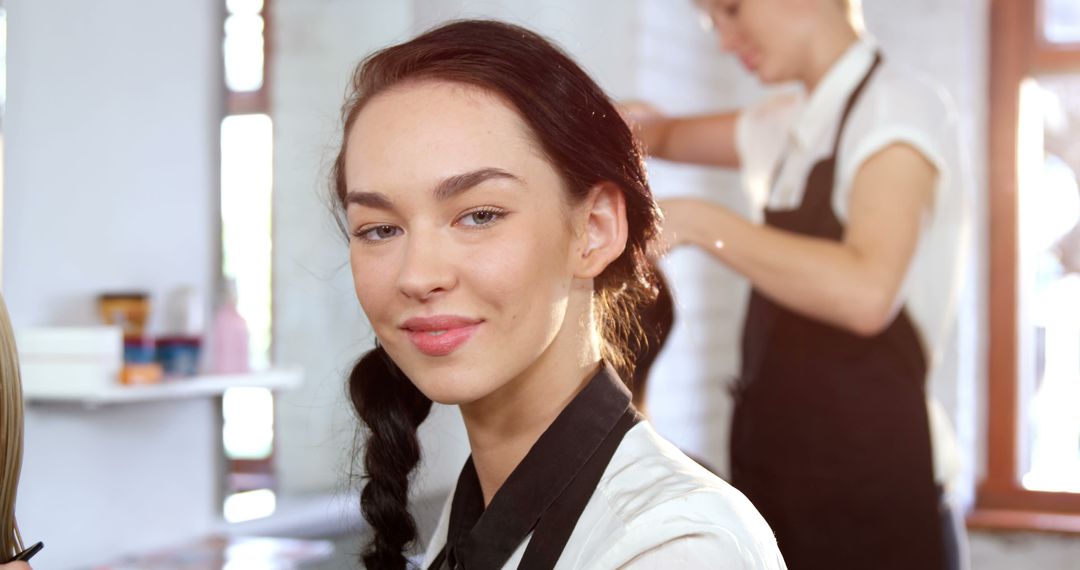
{"x":655,"y":509}
{"x":897,"y":107}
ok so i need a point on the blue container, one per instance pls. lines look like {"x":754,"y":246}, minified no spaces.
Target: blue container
{"x":139,"y":350}
{"x":179,"y":355}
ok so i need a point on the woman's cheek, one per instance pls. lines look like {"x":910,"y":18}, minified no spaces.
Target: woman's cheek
{"x":372,"y":283}
{"x":503,"y":263}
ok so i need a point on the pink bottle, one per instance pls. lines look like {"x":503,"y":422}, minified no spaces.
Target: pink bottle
{"x":228,"y":337}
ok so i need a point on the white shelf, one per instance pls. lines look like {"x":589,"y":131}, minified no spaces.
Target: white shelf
{"x":305,"y":516}
{"x":172,"y":389}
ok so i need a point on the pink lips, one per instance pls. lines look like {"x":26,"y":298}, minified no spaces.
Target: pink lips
{"x":440,"y":335}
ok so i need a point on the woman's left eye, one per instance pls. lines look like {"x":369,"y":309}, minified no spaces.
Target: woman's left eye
{"x":479,"y":218}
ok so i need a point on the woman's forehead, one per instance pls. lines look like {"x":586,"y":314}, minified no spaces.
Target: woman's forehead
{"x":421,"y":133}
{"x":433,"y":117}
{"x":431,"y":109}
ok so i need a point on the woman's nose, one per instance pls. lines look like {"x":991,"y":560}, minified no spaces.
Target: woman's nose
{"x":427,"y":267}
{"x":728,"y":35}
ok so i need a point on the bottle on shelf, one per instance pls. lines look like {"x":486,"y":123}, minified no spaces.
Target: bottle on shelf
{"x":228,"y":348}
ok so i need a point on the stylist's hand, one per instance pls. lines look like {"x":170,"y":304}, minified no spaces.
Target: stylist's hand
{"x":680,"y":216}
{"x":15,"y":566}
{"x":639,"y":116}
{"x":638,"y":112}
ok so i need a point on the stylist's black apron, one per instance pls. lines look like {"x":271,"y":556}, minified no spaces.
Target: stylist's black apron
{"x":830,"y":437}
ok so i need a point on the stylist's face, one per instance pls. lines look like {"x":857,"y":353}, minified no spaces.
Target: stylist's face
{"x":763,"y":34}
{"x":460,"y":246}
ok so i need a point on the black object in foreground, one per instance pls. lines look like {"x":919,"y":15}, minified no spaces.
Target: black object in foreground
{"x":29,"y":553}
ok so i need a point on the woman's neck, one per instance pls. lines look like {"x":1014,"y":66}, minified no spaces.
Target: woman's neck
{"x":825,"y":52}
{"x":504,"y":425}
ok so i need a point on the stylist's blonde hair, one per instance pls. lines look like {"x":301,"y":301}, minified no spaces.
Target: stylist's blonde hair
{"x":11,"y":437}
{"x":853,"y":9}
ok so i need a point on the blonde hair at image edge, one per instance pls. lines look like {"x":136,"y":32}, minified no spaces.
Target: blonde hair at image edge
{"x":11,"y":437}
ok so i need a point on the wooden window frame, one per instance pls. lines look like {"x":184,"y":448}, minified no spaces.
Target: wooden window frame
{"x":258,"y":101}
{"x":240,"y":471}
{"x":1017,"y":50}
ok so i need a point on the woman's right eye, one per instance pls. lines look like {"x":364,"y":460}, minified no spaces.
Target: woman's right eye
{"x":381,"y":232}
{"x":724,"y":9}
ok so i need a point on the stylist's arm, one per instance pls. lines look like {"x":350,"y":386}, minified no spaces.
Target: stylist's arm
{"x":853,"y":283}
{"x":15,"y":566}
{"x":707,"y":140}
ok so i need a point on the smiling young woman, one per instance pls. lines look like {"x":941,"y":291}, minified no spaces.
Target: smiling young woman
{"x":498,"y":217}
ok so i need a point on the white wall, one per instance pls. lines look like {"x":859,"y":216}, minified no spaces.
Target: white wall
{"x":111,"y":153}
{"x":111,"y":132}
{"x":317,"y":319}
{"x":1024,"y":550}
{"x":103,"y":482}
{"x":590,"y":31}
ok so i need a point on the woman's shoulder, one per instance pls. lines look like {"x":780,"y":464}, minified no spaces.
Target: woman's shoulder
{"x":778,"y":107}
{"x":655,"y":503}
{"x":902,"y":93}
{"x":761,"y":128}
{"x":648,"y":474}
{"x":901,"y":105}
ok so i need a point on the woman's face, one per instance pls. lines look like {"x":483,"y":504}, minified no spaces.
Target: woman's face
{"x":461,"y":246}
{"x":765,"y":35}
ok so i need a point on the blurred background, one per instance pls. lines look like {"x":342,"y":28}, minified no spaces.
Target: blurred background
{"x":172,"y":157}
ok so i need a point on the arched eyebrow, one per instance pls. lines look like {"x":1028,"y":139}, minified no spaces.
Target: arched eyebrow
{"x":459,"y":183}
{"x":444,"y":190}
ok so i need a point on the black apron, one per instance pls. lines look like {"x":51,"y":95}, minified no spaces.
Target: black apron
{"x":830,"y":436}
{"x":547,"y":492}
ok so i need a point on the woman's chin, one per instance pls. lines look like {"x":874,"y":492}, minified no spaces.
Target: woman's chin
{"x":449,"y":389}
{"x":451,"y":396}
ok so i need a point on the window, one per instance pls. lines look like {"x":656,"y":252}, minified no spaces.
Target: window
{"x":246,"y":186}
{"x":1033,"y":460}
{"x":1061,"y":22}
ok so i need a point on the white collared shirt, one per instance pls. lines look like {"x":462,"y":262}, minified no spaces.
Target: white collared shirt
{"x":897,"y":106}
{"x":655,"y":509}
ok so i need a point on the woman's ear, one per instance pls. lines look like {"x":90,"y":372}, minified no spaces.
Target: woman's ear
{"x":601,"y":221}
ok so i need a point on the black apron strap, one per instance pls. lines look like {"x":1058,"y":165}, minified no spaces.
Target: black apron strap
{"x":840,"y":129}
{"x":554,"y":529}
{"x":851,"y":102}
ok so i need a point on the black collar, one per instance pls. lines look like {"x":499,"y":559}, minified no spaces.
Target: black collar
{"x":481,"y":539}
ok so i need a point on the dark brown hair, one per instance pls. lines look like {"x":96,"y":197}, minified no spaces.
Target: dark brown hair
{"x":657,"y":321}
{"x":584,"y":139}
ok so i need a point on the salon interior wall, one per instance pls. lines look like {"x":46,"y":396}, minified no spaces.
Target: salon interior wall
{"x":110,"y":184}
